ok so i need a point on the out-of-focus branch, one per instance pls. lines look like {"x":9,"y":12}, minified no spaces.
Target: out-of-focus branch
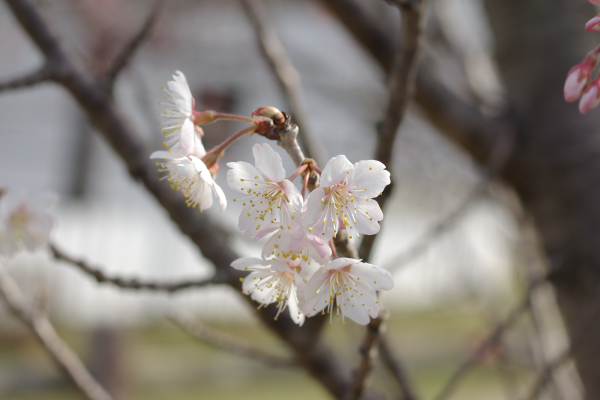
{"x":42,"y":75}
{"x":227,"y":342}
{"x":461,"y":122}
{"x":402,"y":82}
{"x":490,"y":342}
{"x":49,"y":339}
{"x":210,"y":238}
{"x":125,"y":56}
{"x":368,"y":354}
{"x":287,"y":77}
{"x":135,"y":284}
{"x":395,"y":366}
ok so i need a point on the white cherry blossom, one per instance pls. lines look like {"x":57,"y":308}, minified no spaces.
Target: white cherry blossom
{"x":273,"y":281}
{"x":271,"y":201}
{"x":351,"y":284}
{"x":179,"y":130}
{"x":345,"y":196}
{"x":189,"y":174}
{"x":25,"y":223}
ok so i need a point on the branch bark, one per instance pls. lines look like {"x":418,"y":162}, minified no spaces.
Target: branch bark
{"x":44,"y":332}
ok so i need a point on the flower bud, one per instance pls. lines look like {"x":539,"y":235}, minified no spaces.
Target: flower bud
{"x":593,"y":25}
{"x":578,"y":77}
{"x":591,"y":97}
{"x":596,"y":2}
{"x":277,"y":116}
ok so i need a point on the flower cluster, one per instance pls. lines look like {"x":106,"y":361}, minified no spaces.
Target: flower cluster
{"x":298,"y":269}
{"x":295,"y":270}
{"x":25,"y":223}
{"x":579,"y":83}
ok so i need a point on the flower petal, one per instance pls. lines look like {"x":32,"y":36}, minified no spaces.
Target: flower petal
{"x":335,"y":171}
{"x":368,"y":179}
{"x":268,"y":162}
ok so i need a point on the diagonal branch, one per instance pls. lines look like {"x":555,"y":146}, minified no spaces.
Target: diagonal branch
{"x":368,"y":355}
{"x":402,"y":84}
{"x":135,"y":284}
{"x":125,"y":56}
{"x":287,"y":77}
{"x":44,"y":74}
{"x":395,"y":366}
{"x":227,"y":342}
{"x":62,"y":355}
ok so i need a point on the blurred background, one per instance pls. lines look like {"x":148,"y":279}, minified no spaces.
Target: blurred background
{"x":461,"y":252}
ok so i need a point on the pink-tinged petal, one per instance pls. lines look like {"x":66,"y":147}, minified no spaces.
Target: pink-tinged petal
{"x":335,"y":171}
{"x":320,"y":247}
{"x":187,"y":138}
{"x":247,"y":263}
{"x":589,"y":99}
{"x":292,"y":193}
{"x":596,"y":2}
{"x":268,"y":162}
{"x":593,"y":25}
{"x":220,"y":196}
{"x":182,"y":96}
{"x":375,"y":277}
{"x":241,"y":176}
{"x":574,"y":84}
{"x":368,"y":178}
{"x":340,"y":263}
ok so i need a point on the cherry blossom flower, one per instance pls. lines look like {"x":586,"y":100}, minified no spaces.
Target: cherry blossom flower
{"x":189,"y":174}
{"x":273,"y":281}
{"x":353,"y":286}
{"x":271,"y":199}
{"x":593,"y":25}
{"x":344,"y":195}
{"x":25,"y":223}
{"x":179,"y":131}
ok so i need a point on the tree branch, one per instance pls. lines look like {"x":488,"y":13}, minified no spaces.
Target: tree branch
{"x":101,"y":277}
{"x":39,"y":325}
{"x":402,"y":83}
{"x":44,"y":74}
{"x":394,"y":365}
{"x":126,"y":54}
{"x":287,"y":77}
{"x":368,"y":355}
{"x":227,"y":342}
{"x":490,"y":342}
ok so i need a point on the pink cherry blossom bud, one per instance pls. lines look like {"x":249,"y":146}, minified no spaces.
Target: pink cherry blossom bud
{"x":268,"y":112}
{"x":596,"y":2}
{"x":578,"y":77}
{"x":591,"y":97}
{"x":593,"y":25}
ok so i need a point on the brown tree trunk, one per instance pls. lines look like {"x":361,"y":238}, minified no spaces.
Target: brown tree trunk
{"x":555,"y":167}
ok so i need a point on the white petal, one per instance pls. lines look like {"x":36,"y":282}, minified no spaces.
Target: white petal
{"x":295,"y":313}
{"x":377,"y":278}
{"x":242,"y":175}
{"x":368,"y":178}
{"x":367,"y":217}
{"x":250,"y":263}
{"x":182,"y":96}
{"x":340,"y":263}
{"x":353,"y":308}
{"x":187,"y":138}
{"x":221,"y":196}
{"x":335,"y":171}
{"x":268,"y":162}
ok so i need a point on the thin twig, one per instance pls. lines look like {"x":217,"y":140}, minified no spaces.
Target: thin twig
{"x":126,"y":54}
{"x":287,"y":77}
{"x":395,"y":366}
{"x":227,"y":342}
{"x":402,"y":82}
{"x":368,"y":355}
{"x":135,"y":284}
{"x":490,"y":342}
{"x":44,"y":74}
{"x":62,"y":355}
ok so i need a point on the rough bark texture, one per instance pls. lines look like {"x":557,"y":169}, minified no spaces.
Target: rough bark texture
{"x":555,"y":167}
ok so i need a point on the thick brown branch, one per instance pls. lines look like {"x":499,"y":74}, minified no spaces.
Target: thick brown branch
{"x":62,"y":355}
{"x":44,"y":74}
{"x":135,"y":284}
{"x":227,"y":342}
{"x":287,"y":77}
{"x":125,"y":56}
{"x":401,"y":87}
